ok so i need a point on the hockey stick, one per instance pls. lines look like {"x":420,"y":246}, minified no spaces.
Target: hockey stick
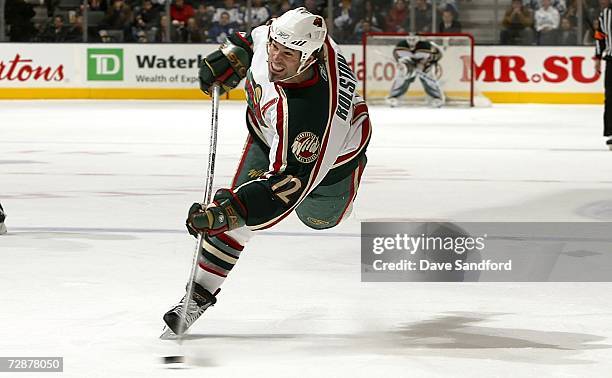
{"x":425,"y":77}
{"x":210,"y":174}
{"x":422,"y":75}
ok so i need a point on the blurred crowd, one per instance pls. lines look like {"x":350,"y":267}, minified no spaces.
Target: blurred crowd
{"x":550,"y":22}
{"x":526,"y":22}
{"x":201,"y":21}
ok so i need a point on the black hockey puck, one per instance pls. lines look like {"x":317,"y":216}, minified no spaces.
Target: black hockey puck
{"x":174,"y":359}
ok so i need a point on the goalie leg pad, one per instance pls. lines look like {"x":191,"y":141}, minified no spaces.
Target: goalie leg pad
{"x":431,"y":87}
{"x":400,"y":86}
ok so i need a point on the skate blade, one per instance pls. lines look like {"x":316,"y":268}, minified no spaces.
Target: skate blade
{"x":3,"y":227}
{"x":167,"y":334}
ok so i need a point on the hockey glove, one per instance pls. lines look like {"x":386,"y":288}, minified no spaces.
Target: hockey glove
{"x":226,"y":66}
{"x":224,"y":214}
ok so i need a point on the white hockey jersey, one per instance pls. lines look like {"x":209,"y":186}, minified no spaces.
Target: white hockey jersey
{"x":315,"y":131}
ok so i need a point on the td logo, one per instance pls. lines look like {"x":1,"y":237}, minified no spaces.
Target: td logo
{"x":105,"y":64}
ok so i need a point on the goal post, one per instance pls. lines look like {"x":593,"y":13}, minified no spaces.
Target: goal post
{"x":454,"y":71}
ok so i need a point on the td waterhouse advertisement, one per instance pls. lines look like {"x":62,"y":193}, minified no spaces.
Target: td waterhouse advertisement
{"x":561,"y":70}
{"x":107,"y":66}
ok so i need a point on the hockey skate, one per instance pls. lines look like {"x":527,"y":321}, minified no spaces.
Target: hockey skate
{"x":436,"y":103}
{"x":392,"y":101}
{"x":608,"y":143}
{"x":2,"y":218}
{"x":201,"y":299}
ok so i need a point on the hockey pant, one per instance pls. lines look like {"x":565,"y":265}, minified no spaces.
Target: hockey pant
{"x":325,"y":207}
{"x":405,"y":78}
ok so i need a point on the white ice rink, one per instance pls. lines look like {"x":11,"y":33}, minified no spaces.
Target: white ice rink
{"x":97,"y":192}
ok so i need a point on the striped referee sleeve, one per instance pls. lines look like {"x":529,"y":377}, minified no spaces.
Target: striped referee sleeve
{"x":602,"y":36}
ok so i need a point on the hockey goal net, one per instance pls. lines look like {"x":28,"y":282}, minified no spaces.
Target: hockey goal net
{"x":454,"y":71}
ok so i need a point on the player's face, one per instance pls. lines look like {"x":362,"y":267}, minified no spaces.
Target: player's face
{"x":283,"y":62}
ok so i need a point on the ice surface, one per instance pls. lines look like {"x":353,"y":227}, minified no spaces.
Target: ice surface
{"x":96,"y":195}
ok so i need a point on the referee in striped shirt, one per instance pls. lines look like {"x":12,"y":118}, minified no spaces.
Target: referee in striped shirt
{"x":603,"y":50}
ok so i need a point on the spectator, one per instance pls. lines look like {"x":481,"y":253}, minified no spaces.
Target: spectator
{"x":56,"y":31}
{"x":567,"y":33}
{"x":449,"y":5}
{"x":547,"y":23}
{"x":163,"y":34}
{"x":312,"y":7}
{"x":532,"y":5}
{"x":146,"y":22}
{"x":423,"y":15}
{"x":594,"y":12}
{"x":50,"y":5}
{"x":344,"y":23}
{"x":517,"y":24}
{"x":18,"y":15}
{"x":364,"y":26}
{"x":560,"y":5}
{"x":370,"y":14}
{"x":118,"y":17}
{"x":235,"y":14}
{"x":449,"y":24}
{"x":284,"y":7}
{"x":192,"y":33}
{"x":397,"y":17}
{"x":75,"y":32}
{"x":273,"y":6}
{"x":98,"y":5}
{"x":259,"y":14}
{"x":168,"y":31}
{"x":572,"y":11}
{"x":181,"y":12}
{"x":589,"y":38}
{"x":535,"y":5}
{"x":222,"y":29}
{"x":204,"y":16}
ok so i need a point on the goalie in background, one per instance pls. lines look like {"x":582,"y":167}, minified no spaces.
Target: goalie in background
{"x":417,"y":58}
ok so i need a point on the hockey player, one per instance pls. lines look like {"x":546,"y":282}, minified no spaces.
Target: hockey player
{"x":308,"y":133}
{"x":2,"y":218}
{"x":417,"y":58}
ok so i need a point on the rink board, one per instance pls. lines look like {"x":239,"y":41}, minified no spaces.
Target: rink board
{"x":140,"y":71}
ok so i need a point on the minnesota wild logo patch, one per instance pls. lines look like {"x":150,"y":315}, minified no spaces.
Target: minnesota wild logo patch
{"x":305,"y":147}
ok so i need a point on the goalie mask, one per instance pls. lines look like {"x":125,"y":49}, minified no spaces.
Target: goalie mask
{"x":412,"y":41}
{"x":299,"y":30}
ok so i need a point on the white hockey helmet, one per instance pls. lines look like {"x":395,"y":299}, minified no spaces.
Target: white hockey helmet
{"x":299,"y":30}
